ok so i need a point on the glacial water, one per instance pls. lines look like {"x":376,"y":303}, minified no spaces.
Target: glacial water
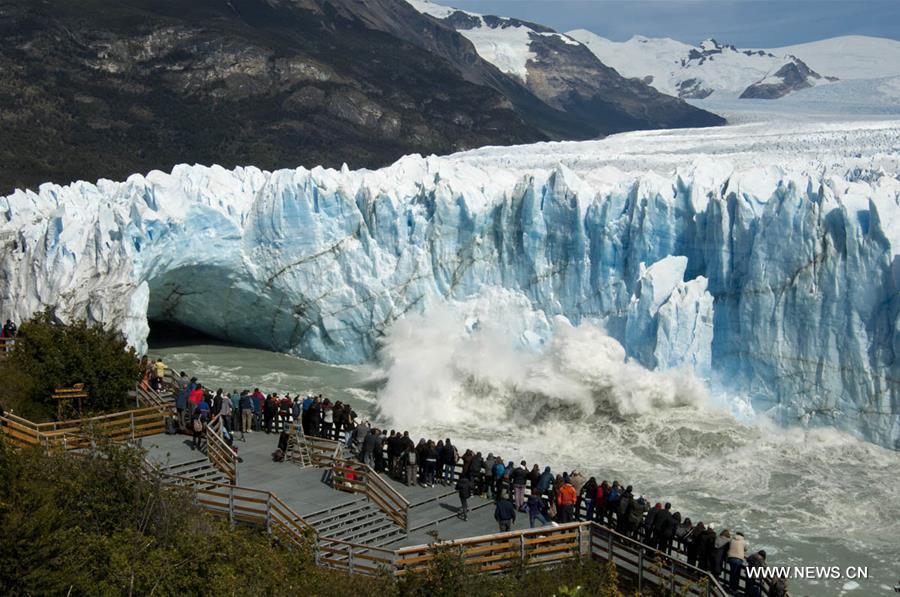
{"x":808,"y":497}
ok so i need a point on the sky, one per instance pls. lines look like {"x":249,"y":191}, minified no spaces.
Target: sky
{"x":744,"y":23}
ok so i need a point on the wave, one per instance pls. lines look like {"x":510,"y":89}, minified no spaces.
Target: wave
{"x":493,"y":357}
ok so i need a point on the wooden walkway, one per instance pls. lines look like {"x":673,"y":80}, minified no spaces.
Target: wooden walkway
{"x":358,"y":521}
{"x":305,"y":489}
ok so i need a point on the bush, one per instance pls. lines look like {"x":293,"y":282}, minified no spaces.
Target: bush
{"x":95,"y":525}
{"x":50,"y":355}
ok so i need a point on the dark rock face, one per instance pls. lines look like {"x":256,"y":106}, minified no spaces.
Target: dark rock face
{"x":105,"y":88}
{"x":793,"y":76}
{"x":693,"y":89}
{"x":571,"y":78}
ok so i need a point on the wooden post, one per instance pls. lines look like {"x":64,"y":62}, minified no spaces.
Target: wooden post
{"x":641,"y":570}
{"x":132,"y":426}
{"x":578,"y":542}
{"x":231,"y":505}
{"x":672,"y":578}
{"x":522,"y":547}
{"x":268,"y":512}
{"x":350,"y":559}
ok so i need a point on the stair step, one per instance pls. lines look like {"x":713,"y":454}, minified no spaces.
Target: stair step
{"x":353,"y":534}
{"x":342,"y":510}
{"x":352,"y":523}
{"x":187,"y":466}
{"x":345,"y":518}
{"x":383,"y":537}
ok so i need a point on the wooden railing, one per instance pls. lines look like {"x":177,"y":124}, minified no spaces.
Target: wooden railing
{"x":501,"y":551}
{"x":250,"y":506}
{"x":550,"y":545}
{"x":76,"y":433}
{"x":357,"y":477}
{"x":645,"y":566}
{"x":7,"y":345}
{"x":323,"y":452}
{"x":147,"y":397}
{"x":354,"y":558}
{"x":219,"y":453}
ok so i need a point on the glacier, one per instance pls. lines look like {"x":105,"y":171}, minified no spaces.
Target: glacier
{"x":765,"y":261}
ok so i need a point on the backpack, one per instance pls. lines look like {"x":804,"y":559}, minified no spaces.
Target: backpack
{"x":278,"y":456}
{"x":171,"y":428}
{"x":198,"y":425}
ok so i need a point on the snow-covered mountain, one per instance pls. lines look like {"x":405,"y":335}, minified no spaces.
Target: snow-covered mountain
{"x":765,"y":260}
{"x":712,"y":69}
{"x":565,"y":74}
{"x":850,"y":57}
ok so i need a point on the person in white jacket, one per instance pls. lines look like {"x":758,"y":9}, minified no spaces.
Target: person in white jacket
{"x":736,"y":552}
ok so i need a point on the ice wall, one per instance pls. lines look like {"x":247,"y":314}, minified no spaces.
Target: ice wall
{"x":779,"y":282}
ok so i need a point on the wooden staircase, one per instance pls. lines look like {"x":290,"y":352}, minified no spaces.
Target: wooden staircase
{"x":200,"y":469}
{"x":359,"y":521}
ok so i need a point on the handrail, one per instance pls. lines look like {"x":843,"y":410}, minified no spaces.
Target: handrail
{"x":379,"y":492}
{"x":131,"y":424}
{"x":322,"y":451}
{"x":610,"y":538}
{"x":79,"y":422}
{"x":252,"y":506}
{"x":218,"y":452}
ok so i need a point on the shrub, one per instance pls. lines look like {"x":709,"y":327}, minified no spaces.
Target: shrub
{"x":50,"y":354}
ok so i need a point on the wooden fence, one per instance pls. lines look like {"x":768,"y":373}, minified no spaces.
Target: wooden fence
{"x":502,"y":551}
{"x":323,"y":452}
{"x":219,"y":453}
{"x":250,"y":506}
{"x":548,"y":546}
{"x":7,"y":345}
{"x":357,"y":477}
{"x":77,"y":433}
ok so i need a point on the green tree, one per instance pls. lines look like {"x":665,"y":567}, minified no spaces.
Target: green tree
{"x":54,"y":355}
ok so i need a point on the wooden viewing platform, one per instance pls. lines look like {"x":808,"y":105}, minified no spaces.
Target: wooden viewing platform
{"x":358,"y":521}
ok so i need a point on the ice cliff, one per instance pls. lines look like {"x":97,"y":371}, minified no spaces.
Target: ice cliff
{"x":766,"y":261}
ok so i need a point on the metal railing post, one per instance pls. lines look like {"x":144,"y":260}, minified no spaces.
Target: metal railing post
{"x":522,"y":547}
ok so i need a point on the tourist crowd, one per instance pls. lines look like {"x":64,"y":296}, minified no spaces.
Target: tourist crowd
{"x":547,"y":498}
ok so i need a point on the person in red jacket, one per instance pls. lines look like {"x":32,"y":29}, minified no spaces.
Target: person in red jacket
{"x":196,"y":396}
{"x":284,"y":412}
{"x":600,"y":501}
{"x":565,"y":501}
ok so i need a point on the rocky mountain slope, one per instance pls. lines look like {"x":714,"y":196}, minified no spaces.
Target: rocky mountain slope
{"x":105,"y":88}
{"x":567,"y":75}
